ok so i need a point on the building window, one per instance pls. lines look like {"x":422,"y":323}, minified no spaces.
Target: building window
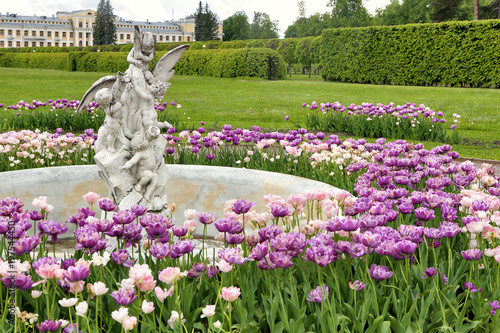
{"x":71,"y":35}
{"x":56,"y":34}
{"x":9,"y":32}
{"x":2,"y":43}
{"x":161,"y":38}
{"x":80,"y":24}
{"x":18,"y":44}
{"x":188,"y":39}
{"x":33,"y":33}
{"x":2,"y":32}
{"x":56,"y":44}
{"x":26,"y":44}
{"x":41,"y":33}
{"x":173,"y":38}
{"x":88,"y":35}
{"x":26,"y":32}
{"x":80,"y":35}
{"x":49,"y":34}
{"x":121,"y":36}
{"x":49,"y":44}
{"x":64,"y":44}
{"x":128,"y":36}
{"x":64,"y":34}
{"x":167,"y":38}
{"x":33,"y":44}
{"x":86,"y":24}
{"x":10,"y":43}
{"x":18,"y":32}
{"x":41,"y":43}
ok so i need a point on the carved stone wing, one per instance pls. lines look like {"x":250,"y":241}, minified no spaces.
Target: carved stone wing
{"x":103,"y":82}
{"x":162,"y":71}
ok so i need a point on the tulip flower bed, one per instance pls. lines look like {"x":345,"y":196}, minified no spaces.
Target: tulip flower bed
{"x":61,"y":113}
{"x":407,"y":121}
{"x":418,"y":249}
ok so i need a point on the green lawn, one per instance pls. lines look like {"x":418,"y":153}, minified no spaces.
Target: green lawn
{"x":247,"y":102}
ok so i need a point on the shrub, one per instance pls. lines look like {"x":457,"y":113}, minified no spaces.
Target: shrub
{"x":451,"y":54}
{"x":257,"y":62}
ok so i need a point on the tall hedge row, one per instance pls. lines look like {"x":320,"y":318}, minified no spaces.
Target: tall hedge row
{"x":450,"y":54}
{"x":253,"y":62}
{"x":250,"y":62}
{"x":57,"y":61}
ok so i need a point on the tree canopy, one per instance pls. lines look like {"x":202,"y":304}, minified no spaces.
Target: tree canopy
{"x":206,"y":24}
{"x":104,"y":28}
{"x":236,"y":27}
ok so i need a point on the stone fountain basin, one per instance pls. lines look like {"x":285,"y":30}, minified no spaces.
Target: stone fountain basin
{"x":203,"y":188}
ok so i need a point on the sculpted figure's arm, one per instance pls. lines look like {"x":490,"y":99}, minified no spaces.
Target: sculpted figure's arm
{"x":132,"y":60}
{"x":133,"y":161}
{"x":149,"y":57}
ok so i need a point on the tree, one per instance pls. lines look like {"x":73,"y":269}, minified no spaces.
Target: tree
{"x":349,"y":13}
{"x":206,"y":24}
{"x":287,"y":49}
{"x":236,"y":27}
{"x":404,"y":12}
{"x":461,"y":10}
{"x":262,"y":27}
{"x":304,"y":53}
{"x":104,"y":28}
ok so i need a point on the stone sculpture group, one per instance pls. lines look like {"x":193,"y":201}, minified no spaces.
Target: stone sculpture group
{"x":129,"y":149}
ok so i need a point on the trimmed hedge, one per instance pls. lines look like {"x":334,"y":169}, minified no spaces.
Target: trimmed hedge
{"x":250,"y":62}
{"x":108,"y":62}
{"x":57,"y":61}
{"x":448,"y":54}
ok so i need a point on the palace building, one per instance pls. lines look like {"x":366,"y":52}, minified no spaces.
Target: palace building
{"x":76,"y":29}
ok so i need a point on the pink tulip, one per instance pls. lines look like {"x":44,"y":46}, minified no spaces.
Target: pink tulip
{"x":129,"y":323}
{"x":91,"y":197}
{"x":208,"y":311}
{"x":147,"y":307}
{"x":230,"y":294}
{"x":98,"y":288}
{"x":170,"y":274}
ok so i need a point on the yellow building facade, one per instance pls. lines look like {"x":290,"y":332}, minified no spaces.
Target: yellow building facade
{"x":75,"y":28}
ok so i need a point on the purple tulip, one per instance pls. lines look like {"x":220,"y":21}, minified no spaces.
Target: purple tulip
{"x":223,"y":225}
{"x":25,"y":245}
{"x":259,"y":251}
{"x":107,"y":205}
{"x":206,"y":218}
{"x":472,"y":254}
{"x":52,"y":228}
{"x":20,"y":281}
{"x":429,"y":272}
{"x":183,"y":247}
{"x":319,"y":294}
{"x":160,"y":250}
{"x":279,"y":210}
{"x":138,"y":210}
{"x":121,"y":258}
{"x":433,"y":233}
{"x":124,"y":296}
{"x":471,"y":287}
{"x":405,"y":247}
{"x":424,"y":214}
{"x":49,"y":325}
{"x":494,"y":306}
{"x":197,"y":270}
{"x":241,"y":206}
{"x":379,"y":273}
{"x":124,"y":217}
{"x":357,"y":285}
{"x":75,"y":274}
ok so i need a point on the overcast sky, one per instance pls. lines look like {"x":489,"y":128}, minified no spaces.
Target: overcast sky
{"x":283,"y":11}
